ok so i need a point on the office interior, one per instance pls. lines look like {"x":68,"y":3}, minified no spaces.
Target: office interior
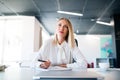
{"x":26,"y":24}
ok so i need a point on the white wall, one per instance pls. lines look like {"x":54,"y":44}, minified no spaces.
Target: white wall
{"x":90,"y":46}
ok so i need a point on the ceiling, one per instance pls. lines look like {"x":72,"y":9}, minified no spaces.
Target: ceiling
{"x":46,"y":12}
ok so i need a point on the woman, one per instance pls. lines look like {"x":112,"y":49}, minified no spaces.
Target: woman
{"x":61,"y":49}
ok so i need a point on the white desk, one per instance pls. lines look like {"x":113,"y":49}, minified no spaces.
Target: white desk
{"x":16,"y":73}
{"x":68,"y":75}
{"x":110,"y":74}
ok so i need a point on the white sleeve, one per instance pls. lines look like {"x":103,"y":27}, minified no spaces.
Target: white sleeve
{"x":41,"y":54}
{"x":80,"y":61}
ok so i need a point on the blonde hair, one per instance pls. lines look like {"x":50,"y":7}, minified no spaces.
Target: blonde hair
{"x":70,"y":36}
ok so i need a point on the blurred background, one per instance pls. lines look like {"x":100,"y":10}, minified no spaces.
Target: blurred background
{"x":26,"y":24}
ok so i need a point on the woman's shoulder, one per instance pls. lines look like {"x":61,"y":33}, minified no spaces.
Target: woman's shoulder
{"x":75,"y":49}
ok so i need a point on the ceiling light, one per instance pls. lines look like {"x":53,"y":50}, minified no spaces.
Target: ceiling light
{"x":105,"y":23}
{"x":70,"y":13}
{"x":77,"y":31}
{"x":92,"y":19}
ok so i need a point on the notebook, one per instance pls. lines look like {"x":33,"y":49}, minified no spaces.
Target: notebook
{"x":58,"y":68}
{"x":55,"y":68}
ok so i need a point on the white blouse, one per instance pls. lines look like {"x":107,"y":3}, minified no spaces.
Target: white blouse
{"x":61,"y":54}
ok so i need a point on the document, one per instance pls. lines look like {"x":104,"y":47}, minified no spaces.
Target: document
{"x":55,"y":68}
{"x":58,"y":68}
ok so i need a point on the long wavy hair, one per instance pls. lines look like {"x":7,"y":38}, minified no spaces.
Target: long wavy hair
{"x":70,"y":36}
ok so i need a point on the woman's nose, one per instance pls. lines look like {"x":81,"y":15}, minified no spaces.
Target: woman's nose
{"x":61,"y":28}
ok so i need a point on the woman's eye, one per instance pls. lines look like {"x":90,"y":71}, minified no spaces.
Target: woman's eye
{"x":66,"y":27}
{"x":59,"y":24}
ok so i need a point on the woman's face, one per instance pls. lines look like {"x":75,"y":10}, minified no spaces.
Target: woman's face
{"x":62,"y":29}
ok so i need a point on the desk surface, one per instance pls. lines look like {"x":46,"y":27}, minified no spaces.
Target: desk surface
{"x":15,"y":73}
{"x":110,"y":74}
{"x":67,"y":74}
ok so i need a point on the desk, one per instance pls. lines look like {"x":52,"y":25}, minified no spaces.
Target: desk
{"x":68,"y":75}
{"x":110,"y":74}
{"x":16,"y":73}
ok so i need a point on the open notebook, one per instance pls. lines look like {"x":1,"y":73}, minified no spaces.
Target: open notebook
{"x":58,"y":68}
{"x":55,"y":68}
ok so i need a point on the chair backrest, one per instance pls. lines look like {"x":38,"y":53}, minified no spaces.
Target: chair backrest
{"x":76,"y":42}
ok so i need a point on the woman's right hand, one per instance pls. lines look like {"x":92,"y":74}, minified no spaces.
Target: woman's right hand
{"x":45,"y":65}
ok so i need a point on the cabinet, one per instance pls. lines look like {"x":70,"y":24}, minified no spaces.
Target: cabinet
{"x":20,"y":38}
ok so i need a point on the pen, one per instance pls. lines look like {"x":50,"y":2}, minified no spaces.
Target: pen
{"x":41,"y":60}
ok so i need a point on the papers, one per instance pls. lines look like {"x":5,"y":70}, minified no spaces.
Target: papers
{"x":55,"y":68}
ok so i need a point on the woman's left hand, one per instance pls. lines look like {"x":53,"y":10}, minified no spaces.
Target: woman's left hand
{"x":62,"y":65}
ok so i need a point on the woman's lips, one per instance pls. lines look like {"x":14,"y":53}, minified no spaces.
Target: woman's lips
{"x":61,"y":32}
